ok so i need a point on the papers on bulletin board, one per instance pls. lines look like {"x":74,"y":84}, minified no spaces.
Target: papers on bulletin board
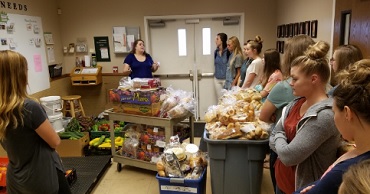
{"x":119,"y":44}
{"x":48,"y":38}
{"x":130,"y":41}
{"x":119,"y":39}
{"x":104,"y":53}
{"x":51,"y":56}
{"x":38,"y":63}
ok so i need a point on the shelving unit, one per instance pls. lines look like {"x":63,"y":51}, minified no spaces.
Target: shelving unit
{"x":154,"y":121}
{"x":85,"y":76}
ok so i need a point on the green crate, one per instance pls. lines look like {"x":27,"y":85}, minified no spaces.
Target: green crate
{"x":95,"y":134}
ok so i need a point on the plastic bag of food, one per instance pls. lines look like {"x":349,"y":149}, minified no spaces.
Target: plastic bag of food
{"x":125,"y":83}
{"x":171,"y":165}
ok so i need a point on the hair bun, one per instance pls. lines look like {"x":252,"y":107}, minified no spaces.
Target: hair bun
{"x":317,"y":51}
{"x":258,"y":39}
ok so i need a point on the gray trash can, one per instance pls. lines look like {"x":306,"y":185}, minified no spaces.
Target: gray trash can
{"x":236,"y":165}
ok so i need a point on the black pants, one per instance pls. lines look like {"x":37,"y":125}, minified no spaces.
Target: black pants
{"x":273,"y":158}
{"x":63,"y":184}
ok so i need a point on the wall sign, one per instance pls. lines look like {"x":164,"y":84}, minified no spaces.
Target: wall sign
{"x":13,"y":6}
{"x":102,"y":48}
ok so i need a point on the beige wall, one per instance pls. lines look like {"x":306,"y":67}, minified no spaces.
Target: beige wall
{"x":89,"y":18}
{"x":292,"y":11}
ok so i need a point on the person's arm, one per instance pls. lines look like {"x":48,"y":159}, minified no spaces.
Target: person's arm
{"x":126,"y":69}
{"x":236,"y":79}
{"x":279,"y":128}
{"x":328,"y":184}
{"x":126,"y":64}
{"x":48,"y":134}
{"x":248,"y":80}
{"x":309,"y":137}
{"x":276,"y":99}
{"x":238,"y":65}
{"x":267,"y":113}
{"x":39,"y":122}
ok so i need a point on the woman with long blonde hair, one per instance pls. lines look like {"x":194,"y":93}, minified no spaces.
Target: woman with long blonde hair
{"x":26,"y":134}
{"x":234,"y":64}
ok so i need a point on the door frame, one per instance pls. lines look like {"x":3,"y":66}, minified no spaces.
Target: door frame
{"x":196,"y":16}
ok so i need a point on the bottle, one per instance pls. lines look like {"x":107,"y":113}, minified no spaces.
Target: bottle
{"x":93,"y":60}
{"x":78,"y":62}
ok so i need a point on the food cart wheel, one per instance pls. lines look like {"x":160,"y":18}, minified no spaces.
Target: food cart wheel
{"x":119,"y":167}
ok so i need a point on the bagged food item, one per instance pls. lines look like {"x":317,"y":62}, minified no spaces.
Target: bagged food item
{"x":171,"y":165}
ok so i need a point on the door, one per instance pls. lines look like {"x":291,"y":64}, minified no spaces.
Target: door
{"x":189,"y":66}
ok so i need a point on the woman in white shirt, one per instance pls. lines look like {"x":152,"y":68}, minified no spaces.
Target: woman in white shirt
{"x":254,"y":72}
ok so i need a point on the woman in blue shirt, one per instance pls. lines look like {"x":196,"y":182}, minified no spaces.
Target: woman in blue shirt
{"x":221,"y":58}
{"x":139,"y":64}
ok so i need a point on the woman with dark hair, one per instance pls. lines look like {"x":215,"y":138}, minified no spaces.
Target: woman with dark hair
{"x":139,"y":64}
{"x":221,"y":58}
{"x":247,"y":61}
{"x":271,"y":72}
{"x":343,"y":56}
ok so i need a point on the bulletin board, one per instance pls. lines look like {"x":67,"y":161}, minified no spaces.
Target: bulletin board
{"x":24,"y":34}
{"x":124,"y":37}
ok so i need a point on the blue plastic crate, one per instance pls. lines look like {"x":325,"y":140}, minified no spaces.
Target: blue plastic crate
{"x":182,"y":186}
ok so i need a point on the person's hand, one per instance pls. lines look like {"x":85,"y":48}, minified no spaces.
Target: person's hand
{"x":305,"y":190}
{"x":155,"y":66}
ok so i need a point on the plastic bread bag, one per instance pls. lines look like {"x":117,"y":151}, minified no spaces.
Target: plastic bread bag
{"x":125,"y":83}
{"x":211,"y":114}
{"x":253,"y":130}
{"x":169,"y":100}
{"x":181,"y":110}
{"x":171,"y":165}
{"x":130,"y":147}
{"x":228,"y":99}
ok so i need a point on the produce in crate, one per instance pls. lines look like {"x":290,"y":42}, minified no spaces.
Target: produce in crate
{"x":85,"y":122}
{"x":73,"y":125}
{"x":105,"y":142}
{"x":72,"y":135}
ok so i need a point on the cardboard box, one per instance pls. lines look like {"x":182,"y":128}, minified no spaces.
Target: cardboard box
{"x":72,"y":148}
{"x":137,"y":109}
{"x":140,"y":97}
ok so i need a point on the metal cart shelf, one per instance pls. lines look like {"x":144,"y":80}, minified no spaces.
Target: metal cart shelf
{"x":154,"y":121}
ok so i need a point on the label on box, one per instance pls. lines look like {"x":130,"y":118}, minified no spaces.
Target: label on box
{"x":179,"y":188}
{"x":160,"y":143}
{"x":155,"y":130}
{"x":148,"y":147}
{"x":140,"y":97}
